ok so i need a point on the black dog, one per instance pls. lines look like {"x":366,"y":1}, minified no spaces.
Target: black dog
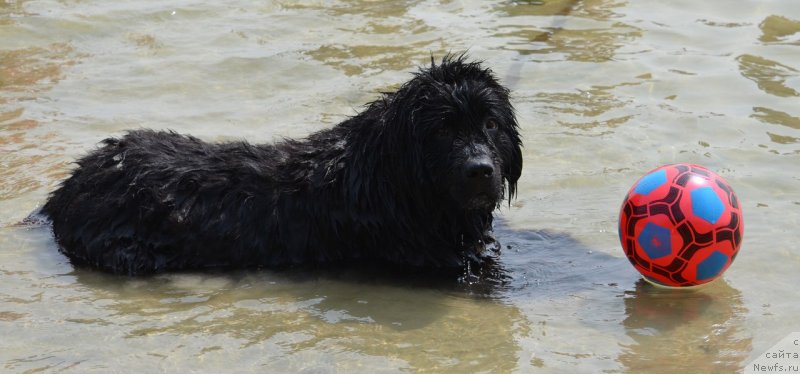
{"x":412,"y":181}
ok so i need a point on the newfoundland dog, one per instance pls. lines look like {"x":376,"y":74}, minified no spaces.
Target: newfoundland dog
{"x":412,"y":180}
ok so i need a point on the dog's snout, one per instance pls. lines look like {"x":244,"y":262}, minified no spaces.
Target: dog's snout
{"x":479,"y":169}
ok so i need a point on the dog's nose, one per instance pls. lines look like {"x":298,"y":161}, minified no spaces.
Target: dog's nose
{"x":480,"y":168}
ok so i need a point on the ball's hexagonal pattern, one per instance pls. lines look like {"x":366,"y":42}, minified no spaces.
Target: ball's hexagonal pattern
{"x":656,"y":241}
{"x":650,"y":182}
{"x":706,"y":204}
{"x":681,"y":225}
{"x":711,"y":266}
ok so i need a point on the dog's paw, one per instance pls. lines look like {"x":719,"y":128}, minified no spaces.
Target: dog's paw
{"x":490,"y":243}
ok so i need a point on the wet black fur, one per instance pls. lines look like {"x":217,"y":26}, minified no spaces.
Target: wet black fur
{"x":395,"y":184}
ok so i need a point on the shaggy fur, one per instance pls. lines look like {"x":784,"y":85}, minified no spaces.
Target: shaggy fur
{"x":412,"y":180}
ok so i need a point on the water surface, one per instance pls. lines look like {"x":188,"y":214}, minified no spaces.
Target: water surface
{"x":605,"y":90}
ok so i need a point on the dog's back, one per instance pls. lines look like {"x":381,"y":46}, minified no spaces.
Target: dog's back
{"x":147,"y":201}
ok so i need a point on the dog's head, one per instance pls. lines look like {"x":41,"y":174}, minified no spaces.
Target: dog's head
{"x":457,"y":121}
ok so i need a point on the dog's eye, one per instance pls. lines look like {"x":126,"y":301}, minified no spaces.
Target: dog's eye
{"x":490,"y":125}
{"x":442,"y":132}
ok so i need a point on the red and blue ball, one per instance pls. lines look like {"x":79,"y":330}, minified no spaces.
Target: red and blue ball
{"x":681,"y":225}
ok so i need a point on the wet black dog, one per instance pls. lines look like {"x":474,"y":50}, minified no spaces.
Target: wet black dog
{"x":412,"y":180}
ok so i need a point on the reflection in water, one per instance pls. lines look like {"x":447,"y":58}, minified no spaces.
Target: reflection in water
{"x":602,"y":88}
{"x":147,"y":42}
{"x":371,"y":9}
{"x":782,"y":139}
{"x":598,"y":9}
{"x":585,"y":109}
{"x":29,"y":156}
{"x":11,"y":9}
{"x":29,"y":70}
{"x":383,"y":22}
{"x":331,"y":317}
{"x":585,"y":30}
{"x":584,"y":45}
{"x":280,"y":321}
{"x":770,"y":76}
{"x":559,"y":280}
{"x":692,"y":331}
{"x":776,"y":117}
{"x":290,"y":321}
{"x":358,"y":59}
{"x":776,"y":79}
{"x":779,"y":29}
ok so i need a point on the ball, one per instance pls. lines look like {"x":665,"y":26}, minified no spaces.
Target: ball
{"x":681,"y":225}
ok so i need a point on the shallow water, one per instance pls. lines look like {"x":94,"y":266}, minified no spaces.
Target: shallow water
{"x":605,"y":90}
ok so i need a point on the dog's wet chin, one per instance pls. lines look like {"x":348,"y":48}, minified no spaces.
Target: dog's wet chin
{"x":482,"y":201}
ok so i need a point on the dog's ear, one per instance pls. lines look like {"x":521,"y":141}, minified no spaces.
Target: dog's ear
{"x":512,"y":167}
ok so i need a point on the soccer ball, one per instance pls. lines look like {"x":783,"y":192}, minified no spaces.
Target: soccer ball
{"x":681,"y":225}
